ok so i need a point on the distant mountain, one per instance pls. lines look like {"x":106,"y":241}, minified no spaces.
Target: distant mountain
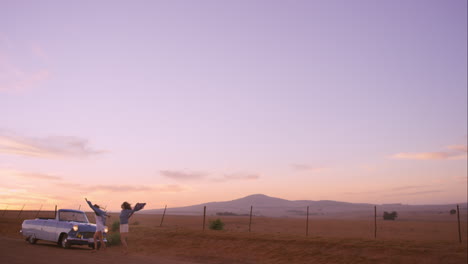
{"x":264,"y":205}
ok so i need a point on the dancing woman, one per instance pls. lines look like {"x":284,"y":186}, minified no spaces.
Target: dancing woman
{"x":125,"y":214}
{"x":100,"y":225}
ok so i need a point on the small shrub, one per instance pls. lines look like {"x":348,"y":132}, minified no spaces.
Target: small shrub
{"x":113,"y":239}
{"x":115,"y":226}
{"x":217,"y":224}
{"x":453,"y":211}
{"x":136,"y":223}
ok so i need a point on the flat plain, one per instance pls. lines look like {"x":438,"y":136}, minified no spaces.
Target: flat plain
{"x":420,"y":237}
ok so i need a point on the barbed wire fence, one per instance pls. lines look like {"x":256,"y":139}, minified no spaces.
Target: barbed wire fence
{"x":25,"y":211}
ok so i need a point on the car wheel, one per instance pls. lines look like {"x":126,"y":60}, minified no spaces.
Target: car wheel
{"x":32,"y":240}
{"x":64,"y":243}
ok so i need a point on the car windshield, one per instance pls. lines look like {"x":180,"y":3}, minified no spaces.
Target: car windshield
{"x":73,"y":216}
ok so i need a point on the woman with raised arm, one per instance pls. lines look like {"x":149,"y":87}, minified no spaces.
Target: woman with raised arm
{"x":100,"y":225}
{"x":125,"y":214}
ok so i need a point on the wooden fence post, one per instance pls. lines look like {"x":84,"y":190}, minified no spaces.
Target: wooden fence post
{"x":164,"y":213}
{"x":459,"y":230}
{"x":375,"y":221}
{"x":5,"y":210}
{"x":204,"y":217}
{"x":37,"y":214}
{"x":307,"y":223}
{"x":250,"y":221}
{"x":21,"y":211}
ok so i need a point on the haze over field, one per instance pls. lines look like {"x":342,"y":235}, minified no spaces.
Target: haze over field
{"x":187,"y":102}
{"x":263,"y":205}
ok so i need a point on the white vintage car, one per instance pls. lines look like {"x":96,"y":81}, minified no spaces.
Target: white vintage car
{"x":69,"y":227}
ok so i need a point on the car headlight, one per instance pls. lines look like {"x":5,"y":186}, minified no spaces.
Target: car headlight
{"x":106,"y":229}
{"x":75,"y":228}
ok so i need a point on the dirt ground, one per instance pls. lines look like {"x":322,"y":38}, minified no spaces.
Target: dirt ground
{"x":272,"y":240}
{"x":17,"y":251}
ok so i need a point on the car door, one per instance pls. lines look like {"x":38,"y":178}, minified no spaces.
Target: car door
{"x":50,"y":227}
{"x":36,"y":229}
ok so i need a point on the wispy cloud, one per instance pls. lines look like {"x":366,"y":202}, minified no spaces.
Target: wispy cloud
{"x":422,"y":155}
{"x":454,"y":152}
{"x":170,"y":188}
{"x":201,"y":176}
{"x":412,"y":187}
{"x":14,"y":77}
{"x":39,"y":176}
{"x":362,"y":193}
{"x":368,"y":167}
{"x":413,"y":193}
{"x":460,"y":179}
{"x":15,"y":199}
{"x":237,"y":177}
{"x":242,"y":177}
{"x":182,"y":175}
{"x":120,"y":188}
{"x":48,"y":147}
{"x":10,"y":174}
{"x":459,"y":148}
{"x":22,"y":195}
{"x":38,"y":51}
{"x":308,"y":168}
{"x":399,"y":191}
{"x":105,"y":188}
{"x":75,"y":186}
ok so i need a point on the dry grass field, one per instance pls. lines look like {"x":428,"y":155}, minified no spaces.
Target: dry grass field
{"x":413,"y":238}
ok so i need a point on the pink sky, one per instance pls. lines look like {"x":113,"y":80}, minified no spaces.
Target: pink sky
{"x":185,"y":102}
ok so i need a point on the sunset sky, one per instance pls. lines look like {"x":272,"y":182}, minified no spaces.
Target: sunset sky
{"x":184,"y":102}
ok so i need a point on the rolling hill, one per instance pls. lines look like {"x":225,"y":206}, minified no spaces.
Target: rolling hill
{"x":264,"y":205}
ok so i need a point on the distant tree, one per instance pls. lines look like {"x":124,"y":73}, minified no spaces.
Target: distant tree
{"x":230,"y":214}
{"x":453,"y":211}
{"x":226,"y":214}
{"x":390,"y":216}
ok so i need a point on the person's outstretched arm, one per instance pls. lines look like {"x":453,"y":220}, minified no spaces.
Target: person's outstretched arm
{"x":96,"y":210}
{"x":137,"y":207}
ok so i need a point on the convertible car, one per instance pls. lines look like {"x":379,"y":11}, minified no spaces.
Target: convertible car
{"x":69,"y":227}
